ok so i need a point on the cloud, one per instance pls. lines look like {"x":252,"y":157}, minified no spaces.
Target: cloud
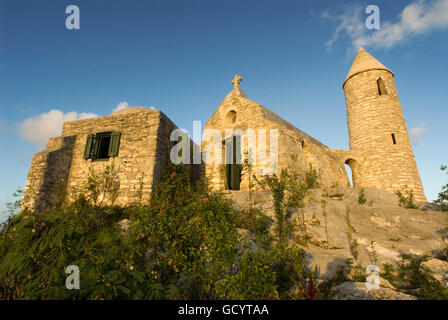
{"x":417,"y":18}
{"x":350,"y":22}
{"x":122,"y":105}
{"x":39,"y":129}
{"x":416,"y":134}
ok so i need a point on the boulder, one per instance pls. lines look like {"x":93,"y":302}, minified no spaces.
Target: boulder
{"x":439,"y":270}
{"x":358,"y":291}
{"x":382,"y":229}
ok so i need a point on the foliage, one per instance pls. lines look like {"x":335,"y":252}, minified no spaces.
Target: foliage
{"x":413,"y":274}
{"x":35,"y":249}
{"x":102,"y":188}
{"x":247,"y":169}
{"x":277,"y":185}
{"x":323,"y":205}
{"x":12,"y":208}
{"x":406,"y":201}
{"x":362,"y":196}
{"x":388,"y":273}
{"x":352,"y":242}
{"x":312,"y":178}
{"x":442,"y":198}
{"x":184,"y":244}
{"x":373,"y":256}
{"x":288,"y":191}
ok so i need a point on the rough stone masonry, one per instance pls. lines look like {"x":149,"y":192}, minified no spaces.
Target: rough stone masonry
{"x":135,"y":141}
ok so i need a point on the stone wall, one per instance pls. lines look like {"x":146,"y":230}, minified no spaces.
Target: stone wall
{"x":376,"y":158}
{"x":372,"y":119}
{"x":143,"y":154}
{"x":48,"y":174}
{"x":296,"y":150}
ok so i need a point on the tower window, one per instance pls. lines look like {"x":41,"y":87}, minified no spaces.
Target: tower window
{"x":381,"y":87}
{"x":393,"y":138}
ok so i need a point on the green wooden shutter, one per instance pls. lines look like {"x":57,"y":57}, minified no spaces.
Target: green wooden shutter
{"x":88,"y":147}
{"x":114,"y":143}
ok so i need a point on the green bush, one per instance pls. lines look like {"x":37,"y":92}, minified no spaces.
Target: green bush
{"x":184,"y":244}
{"x":442,"y":198}
{"x":362,"y":197}
{"x":406,"y":201}
{"x":413,"y":275}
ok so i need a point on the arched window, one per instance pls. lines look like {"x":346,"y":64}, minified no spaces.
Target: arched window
{"x":381,"y":87}
{"x":231,"y":117}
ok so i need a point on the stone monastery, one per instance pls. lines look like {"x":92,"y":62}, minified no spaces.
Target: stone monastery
{"x":136,"y":141}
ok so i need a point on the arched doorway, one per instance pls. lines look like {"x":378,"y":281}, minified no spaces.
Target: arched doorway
{"x":352,"y":168}
{"x":349,"y":174}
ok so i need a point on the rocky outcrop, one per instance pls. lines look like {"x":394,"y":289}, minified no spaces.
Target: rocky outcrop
{"x":359,"y":291}
{"x":438,"y":270}
{"x":381,"y":228}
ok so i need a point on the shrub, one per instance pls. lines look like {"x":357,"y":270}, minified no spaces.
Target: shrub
{"x":406,"y":201}
{"x":184,"y":244}
{"x":352,"y":242}
{"x":277,"y":185}
{"x":362,"y":197}
{"x":414,"y":275}
{"x":312,"y":178}
{"x":442,"y":198}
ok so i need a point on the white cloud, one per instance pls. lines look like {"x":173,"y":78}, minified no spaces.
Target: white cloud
{"x":40,"y":128}
{"x":122,"y":105}
{"x":417,"y":18}
{"x":416,"y":134}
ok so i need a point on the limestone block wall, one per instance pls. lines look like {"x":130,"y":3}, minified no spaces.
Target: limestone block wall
{"x":143,"y":151}
{"x":142,"y":156}
{"x":48,"y":174}
{"x":372,"y":120}
{"x":296,"y":150}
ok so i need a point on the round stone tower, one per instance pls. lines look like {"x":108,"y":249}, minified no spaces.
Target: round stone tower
{"x":377,"y":130}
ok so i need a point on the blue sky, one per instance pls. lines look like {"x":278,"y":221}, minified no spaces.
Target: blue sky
{"x":180,"y":57}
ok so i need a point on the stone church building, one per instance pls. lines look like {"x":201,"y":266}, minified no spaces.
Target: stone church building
{"x":137,"y":141}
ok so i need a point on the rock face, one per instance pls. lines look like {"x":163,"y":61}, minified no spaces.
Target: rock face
{"x":393,"y":230}
{"x":439,"y":270}
{"x":358,"y":291}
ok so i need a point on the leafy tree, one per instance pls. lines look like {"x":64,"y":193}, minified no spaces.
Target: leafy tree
{"x":442,"y":199}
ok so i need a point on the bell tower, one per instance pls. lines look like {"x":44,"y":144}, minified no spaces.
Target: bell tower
{"x":377,"y":130}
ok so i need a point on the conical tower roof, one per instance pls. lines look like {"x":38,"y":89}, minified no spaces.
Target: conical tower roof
{"x":363,"y":62}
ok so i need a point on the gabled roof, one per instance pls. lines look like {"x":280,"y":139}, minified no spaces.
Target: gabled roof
{"x":364,"y":62}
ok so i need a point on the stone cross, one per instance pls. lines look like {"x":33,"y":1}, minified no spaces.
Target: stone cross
{"x":236,"y":81}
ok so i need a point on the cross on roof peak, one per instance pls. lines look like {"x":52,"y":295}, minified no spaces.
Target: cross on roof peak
{"x":236,"y":81}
